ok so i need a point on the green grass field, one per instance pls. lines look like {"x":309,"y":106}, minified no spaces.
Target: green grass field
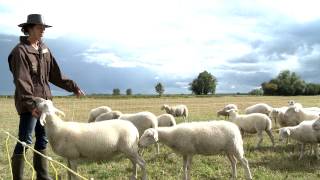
{"x":265,"y":163}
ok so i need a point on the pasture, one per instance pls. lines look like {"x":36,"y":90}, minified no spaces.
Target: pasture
{"x":265,"y":163}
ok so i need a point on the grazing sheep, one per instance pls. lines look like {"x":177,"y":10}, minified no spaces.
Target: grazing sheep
{"x":176,"y":111}
{"x":166,"y":120}
{"x":253,"y":123}
{"x":204,"y":138}
{"x":94,"y":113}
{"x":223,"y":111}
{"x":78,"y":142}
{"x":295,"y":115}
{"x":108,"y":115}
{"x":259,"y":108}
{"x":304,"y":133}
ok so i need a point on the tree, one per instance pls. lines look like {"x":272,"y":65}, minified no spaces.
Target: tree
{"x":129,"y":92}
{"x":116,"y":92}
{"x":286,"y":83}
{"x":269,"y":88}
{"x":312,"y":89}
{"x":205,"y":83}
{"x":256,"y":92}
{"x":159,"y":89}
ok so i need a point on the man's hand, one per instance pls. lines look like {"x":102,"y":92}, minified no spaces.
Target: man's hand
{"x":36,"y":113}
{"x":79,"y":93}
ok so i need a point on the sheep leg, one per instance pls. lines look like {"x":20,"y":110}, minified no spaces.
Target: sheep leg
{"x":301,"y":151}
{"x":311,"y":149}
{"x":233,"y":162}
{"x":189,"y":166}
{"x":158,"y":148}
{"x":134,"y":175}
{"x":270,"y":136}
{"x":260,"y":139}
{"x":72,"y":165}
{"x":137,"y":159}
{"x":316,"y":151}
{"x":185,"y":170}
{"x":245,"y":164}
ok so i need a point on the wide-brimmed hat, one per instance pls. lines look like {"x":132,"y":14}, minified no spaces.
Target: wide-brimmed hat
{"x":34,"y":19}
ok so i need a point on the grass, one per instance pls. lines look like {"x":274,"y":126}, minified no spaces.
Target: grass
{"x":265,"y":163}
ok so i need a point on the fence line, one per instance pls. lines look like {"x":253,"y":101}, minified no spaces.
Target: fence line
{"x":32,"y":149}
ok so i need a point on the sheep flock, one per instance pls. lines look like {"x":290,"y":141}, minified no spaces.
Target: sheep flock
{"x":110,"y":132}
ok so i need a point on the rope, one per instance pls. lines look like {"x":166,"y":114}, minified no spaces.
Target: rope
{"x":55,"y":170}
{"x":8,"y":155}
{"x":47,"y":157}
{"x":25,"y":158}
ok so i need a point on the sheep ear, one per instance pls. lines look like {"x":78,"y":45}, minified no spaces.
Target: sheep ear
{"x":43,"y":118}
{"x":288,"y":132}
{"x":155,"y":136}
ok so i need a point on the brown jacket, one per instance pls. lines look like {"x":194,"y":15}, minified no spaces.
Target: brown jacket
{"x":32,"y":71}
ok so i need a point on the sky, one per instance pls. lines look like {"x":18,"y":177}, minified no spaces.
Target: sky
{"x":135,"y":44}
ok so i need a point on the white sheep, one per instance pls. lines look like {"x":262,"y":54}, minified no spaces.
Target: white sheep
{"x":176,"y":111}
{"x":204,"y":138}
{"x":78,"y":142}
{"x":166,"y":120}
{"x":108,"y":116}
{"x":94,"y":113}
{"x":259,"y":108}
{"x":303,"y":133}
{"x":295,"y":115}
{"x":253,"y":123}
{"x":223,"y":111}
{"x":142,"y":120}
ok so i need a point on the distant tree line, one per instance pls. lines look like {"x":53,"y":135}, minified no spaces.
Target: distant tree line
{"x":289,"y":84}
{"x":117,"y":92}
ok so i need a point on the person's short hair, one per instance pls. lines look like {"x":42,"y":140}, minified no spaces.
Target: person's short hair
{"x":25,"y":28}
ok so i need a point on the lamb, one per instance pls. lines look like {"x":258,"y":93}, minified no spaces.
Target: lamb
{"x":253,"y":123}
{"x":304,"y":133}
{"x":295,"y":115}
{"x":176,"y":111}
{"x":204,"y":138}
{"x":259,"y":108}
{"x":223,"y":112}
{"x":166,"y":120}
{"x":79,"y":142}
{"x":94,"y":113}
{"x":108,"y":115}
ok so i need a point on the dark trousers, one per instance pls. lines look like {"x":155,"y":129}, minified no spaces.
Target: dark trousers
{"x":26,"y":126}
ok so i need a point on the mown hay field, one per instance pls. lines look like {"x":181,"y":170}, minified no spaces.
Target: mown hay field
{"x":265,"y":163}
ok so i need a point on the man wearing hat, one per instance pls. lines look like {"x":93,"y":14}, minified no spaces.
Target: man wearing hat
{"x":33,"y":67}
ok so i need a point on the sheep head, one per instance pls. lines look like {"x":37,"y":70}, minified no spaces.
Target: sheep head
{"x":150,"y":136}
{"x":291,"y":102}
{"x":46,"y":107}
{"x":164,"y":107}
{"x":316,"y":124}
{"x":116,"y":114}
{"x":232,"y":112}
{"x":284,"y":133}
